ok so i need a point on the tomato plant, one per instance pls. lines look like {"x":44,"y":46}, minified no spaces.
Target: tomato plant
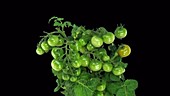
{"x":87,"y":62}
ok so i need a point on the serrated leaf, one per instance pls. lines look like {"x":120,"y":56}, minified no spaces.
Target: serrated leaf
{"x":131,"y":84}
{"x":81,"y":90}
{"x":112,"y":88}
{"x":106,"y":77}
{"x":57,"y":24}
{"x":86,"y":86}
{"x":124,"y":92}
{"x":92,"y":83}
{"x":114,"y":78}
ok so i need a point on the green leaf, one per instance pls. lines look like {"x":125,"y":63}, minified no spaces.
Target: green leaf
{"x":114,"y":77}
{"x":79,"y":90}
{"x":106,"y":77}
{"x":92,"y":83}
{"x":67,"y":24}
{"x":107,"y":94}
{"x":54,"y":72}
{"x":57,"y":24}
{"x":124,"y":92}
{"x":112,"y":88}
{"x":117,"y":59}
{"x":59,"y":19}
{"x":131,"y":84}
{"x":58,"y":86}
{"x":86,"y":86}
{"x":68,"y":90}
{"x":124,"y":65}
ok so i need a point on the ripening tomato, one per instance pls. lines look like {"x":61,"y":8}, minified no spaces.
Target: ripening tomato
{"x":124,"y":50}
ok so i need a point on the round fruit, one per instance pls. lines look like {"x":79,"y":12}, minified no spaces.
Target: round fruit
{"x":53,"y":40}
{"x":120,"y":32}
{"x":96,"y":41}
{"x":124,"y":50}
{"x":108,"y":38}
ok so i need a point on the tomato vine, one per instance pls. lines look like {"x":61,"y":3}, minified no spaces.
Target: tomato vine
{"x":88,"y":62}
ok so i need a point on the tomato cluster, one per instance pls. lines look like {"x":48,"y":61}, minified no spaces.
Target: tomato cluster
{"x":87,"y":50}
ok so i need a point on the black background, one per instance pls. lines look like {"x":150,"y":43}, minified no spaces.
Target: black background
{"x":32,"y":73}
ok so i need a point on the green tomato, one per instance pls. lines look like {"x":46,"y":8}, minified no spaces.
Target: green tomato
{"x":96,"y":41}
{"x":76,"y":64}
{"x":101,"y":87}
{"x":108,"y":38}
{"x":77,"y":71}
{"x":60,"y":42}
{"x":53,"y":40}
{"x":57,"y":65}
{"x":118,"y":70}
{"x":95,"y":65}
{"x":45,"y":46}
{"x":90,"y":47}
{"x":82,"y":49}
{"x":73,"y":78}
{"x":84,"y":60}
{"x":82,"y":41}
{"x":56,"y":53}
{"x":75,"y":47}
{"x":74,"y":55}
{"x":65,"y":77}
{"x":124,"y":50}
{"x":107,"y":67}
{"x":106,"y":58}
{"x":39,"y":51}
{"x":102,"y":51}
{"x":99,"y":94}
{"x":120,"y":32}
